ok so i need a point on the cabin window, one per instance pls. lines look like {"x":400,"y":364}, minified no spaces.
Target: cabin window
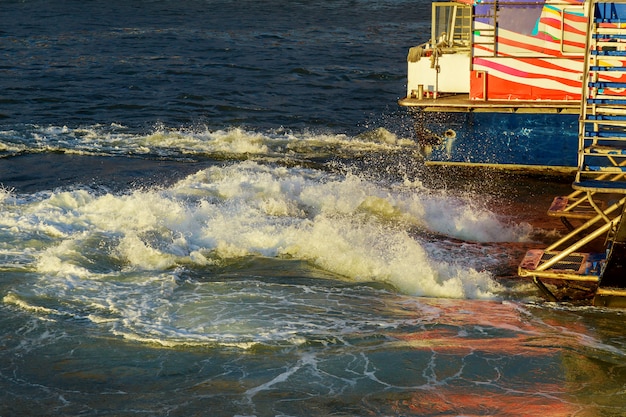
{"x":451,"y":24}
{"x":521,"y":31}
{"x":531,"y":28}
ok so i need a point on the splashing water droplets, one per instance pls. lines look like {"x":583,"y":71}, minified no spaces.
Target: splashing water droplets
{"x":102,"y":249}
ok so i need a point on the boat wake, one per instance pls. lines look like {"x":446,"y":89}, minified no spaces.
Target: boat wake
{"x":88,"y":252}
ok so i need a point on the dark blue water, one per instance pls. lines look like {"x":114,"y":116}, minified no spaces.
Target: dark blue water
{"x":216,"y":208}
{"x":215,"y":63}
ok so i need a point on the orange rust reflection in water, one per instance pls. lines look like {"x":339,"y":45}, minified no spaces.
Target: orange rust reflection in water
{"x":487,"y":404}
{"x":495,"y":332}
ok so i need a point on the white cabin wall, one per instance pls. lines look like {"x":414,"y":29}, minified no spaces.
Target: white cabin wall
{"x":453,"y":76}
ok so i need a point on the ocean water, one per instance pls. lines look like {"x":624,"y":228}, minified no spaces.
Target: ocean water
{"x":216,"y":208}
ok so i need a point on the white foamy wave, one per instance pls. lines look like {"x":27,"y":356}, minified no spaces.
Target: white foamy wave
{"x":118,"y":259}
{"x":191,"y":142}
{"x":344,"y":224}
{"x":5,"y":194}
{"x":463,"y":218}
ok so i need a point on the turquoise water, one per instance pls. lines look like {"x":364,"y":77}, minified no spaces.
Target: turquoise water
{"x":352,"y":350}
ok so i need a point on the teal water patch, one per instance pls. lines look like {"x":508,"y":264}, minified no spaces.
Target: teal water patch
{"x":404,"y":356}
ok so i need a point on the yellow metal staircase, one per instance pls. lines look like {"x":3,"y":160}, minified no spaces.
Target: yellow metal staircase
{"x":599,"y":192}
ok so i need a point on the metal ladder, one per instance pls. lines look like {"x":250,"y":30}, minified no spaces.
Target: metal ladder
{"x":602,"y":123}
{"x":601,"y":155}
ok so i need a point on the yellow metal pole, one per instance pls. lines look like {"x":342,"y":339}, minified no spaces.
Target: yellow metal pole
{"x":562,"y":255}
{"x":585,"y":226}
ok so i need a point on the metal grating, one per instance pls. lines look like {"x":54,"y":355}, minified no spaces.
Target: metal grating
{"x":572,"y":262}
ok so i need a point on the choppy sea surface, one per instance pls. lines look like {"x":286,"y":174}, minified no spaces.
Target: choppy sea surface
{"x":216,"y":208}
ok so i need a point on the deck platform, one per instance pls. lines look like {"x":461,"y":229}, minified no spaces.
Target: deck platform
{"x":456,"y":103}
{"x":575,"y":267}
{"x":574,"y":206}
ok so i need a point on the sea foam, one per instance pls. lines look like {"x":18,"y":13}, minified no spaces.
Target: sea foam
{"x":347,"y":225}
{"x":124,"y":260}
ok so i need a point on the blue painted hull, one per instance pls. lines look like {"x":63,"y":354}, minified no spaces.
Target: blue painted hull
{"x":497,"y":138}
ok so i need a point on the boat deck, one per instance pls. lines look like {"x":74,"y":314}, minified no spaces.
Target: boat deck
{"x":454,"y":103}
